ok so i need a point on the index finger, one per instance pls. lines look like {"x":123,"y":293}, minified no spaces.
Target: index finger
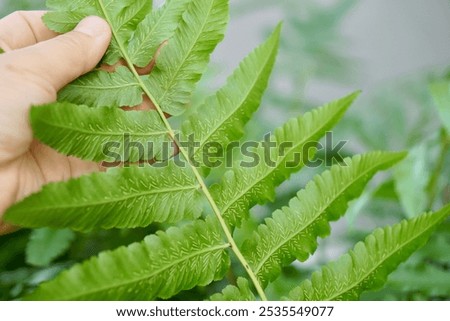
{"x":22,"y":29}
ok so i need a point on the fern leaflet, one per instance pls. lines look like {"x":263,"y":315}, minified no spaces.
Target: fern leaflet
{"x":221,"y":119}
{"x":121,"y":198}
{"x":159,"y":267}
{"x":100,"y":88}
{"x":367,"y":266}
{"x":185,"y":58}
{"x":292,"y":232}
{"x":123,"y":16}
{"x":242,"y":188}
{"x":156,"y":28}
{"x":100,"y":134}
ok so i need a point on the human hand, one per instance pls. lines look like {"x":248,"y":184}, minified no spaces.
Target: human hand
{"x":36,"y":64}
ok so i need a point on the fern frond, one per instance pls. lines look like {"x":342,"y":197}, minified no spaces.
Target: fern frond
{"x":159,"y":267}
{"x":121,"y":198}
{"x":242,"y":188}
{"x":123,"y":17}
{"x":368,"y":265}
{"x":154,"y":30}
{"x":100,"y":88}
{"x":241,"y":292}
{"x":96,"y":134}
{"x":292,"y":232}
{"x":221,"y":119}
{"x":185,"y":58}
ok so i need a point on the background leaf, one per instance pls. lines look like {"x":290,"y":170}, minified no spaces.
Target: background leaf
{"x":441,"y":95}
{"x":411,"y":180}
{"x":46,"y":244}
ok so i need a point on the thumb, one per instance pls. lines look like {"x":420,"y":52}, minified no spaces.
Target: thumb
{"x":58,"y":61}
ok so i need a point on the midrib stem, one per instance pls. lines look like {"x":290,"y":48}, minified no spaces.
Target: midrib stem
{"x":185,"y":154}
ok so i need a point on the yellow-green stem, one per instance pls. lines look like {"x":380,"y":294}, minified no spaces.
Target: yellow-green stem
{"x":185,"y":154}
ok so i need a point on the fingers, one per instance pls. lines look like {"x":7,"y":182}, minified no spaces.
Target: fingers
{"x":22,"y":29}
{"x":33,"y":75}
{"x":61,"y":60}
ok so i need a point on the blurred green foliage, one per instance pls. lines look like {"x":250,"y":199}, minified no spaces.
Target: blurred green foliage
{"x":401,"y":115}
{"x":9,"y":6}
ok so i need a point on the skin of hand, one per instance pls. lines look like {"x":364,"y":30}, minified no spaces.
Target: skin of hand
{"x":36,"y":64}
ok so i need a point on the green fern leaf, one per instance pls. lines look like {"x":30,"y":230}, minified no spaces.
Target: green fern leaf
{"x":98,"y":134}
{"x":154,"y":30}
{"x":121,"y":198}
{"x":292,"y":232}
{"x":241,"y":292}
{"x":123,"y":16}
{"x":185,"y":58}
{"x":221,"y":119}
{"x":66,"y":21}
{"x":242,"y":188}
{"x":159,"y":267}
{"x":46,"y":244}
{"x":367,"y":266}
{"x":101,"y":88}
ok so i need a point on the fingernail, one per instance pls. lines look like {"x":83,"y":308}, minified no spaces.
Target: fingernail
{"x":93,"y":26}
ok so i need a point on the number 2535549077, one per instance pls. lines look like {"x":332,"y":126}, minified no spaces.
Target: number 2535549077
{"x":292,"y":311}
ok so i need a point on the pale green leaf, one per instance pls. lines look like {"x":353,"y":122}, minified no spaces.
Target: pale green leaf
{"x":441,"y":95}
{"x":101,"y":88}
{"x":368,"y":265}
{"x":245,"y":186}
{"x":72,"y":5}
{"x":185,"y":58}
{"x":100,"y":134}
{"x":46,"y":244}
{"x":159,"y":267}
{"x":120,"y":198}
{"x":292,"y":232}
{"x":411,"y":180}
{"x":63,"y":21}
{"x":156,"y":28}
{"x":427,"y":279}
{"x":241,"y":292}
{"x":221,"y":119}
